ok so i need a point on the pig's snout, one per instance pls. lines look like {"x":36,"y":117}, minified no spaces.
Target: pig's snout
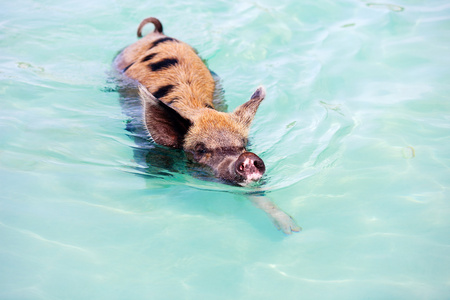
{"x":250,"y":167}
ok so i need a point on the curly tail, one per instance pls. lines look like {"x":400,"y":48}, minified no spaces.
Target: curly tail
{"x":155,"y":21}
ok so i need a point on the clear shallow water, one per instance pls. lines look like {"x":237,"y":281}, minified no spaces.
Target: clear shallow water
{"x":354,"y":131}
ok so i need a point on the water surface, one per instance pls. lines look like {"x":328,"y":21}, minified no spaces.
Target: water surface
{"x":354,"y":132}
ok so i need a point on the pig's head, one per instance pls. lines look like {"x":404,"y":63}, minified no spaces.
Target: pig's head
{"x":212,"y":138}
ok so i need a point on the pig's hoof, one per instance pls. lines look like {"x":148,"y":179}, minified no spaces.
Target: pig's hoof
{"x":285,"y":223}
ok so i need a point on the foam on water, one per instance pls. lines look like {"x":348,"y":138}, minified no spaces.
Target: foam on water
{"x":354,"y":132}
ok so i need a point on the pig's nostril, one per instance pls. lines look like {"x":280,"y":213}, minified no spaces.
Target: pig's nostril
{"x":258,"y":164}
{"x":241,"y":167}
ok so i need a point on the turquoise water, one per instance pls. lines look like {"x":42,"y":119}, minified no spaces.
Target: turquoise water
{"x":355,"y":133}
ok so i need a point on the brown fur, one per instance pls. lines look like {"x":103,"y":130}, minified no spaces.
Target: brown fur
{"x":177,"y":92}
{"x":194,"y":84}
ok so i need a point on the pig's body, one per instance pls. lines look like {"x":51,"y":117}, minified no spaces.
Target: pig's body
{"x":177,"y":92}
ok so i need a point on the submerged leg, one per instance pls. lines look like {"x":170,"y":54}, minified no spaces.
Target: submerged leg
{"x":280,"y":219}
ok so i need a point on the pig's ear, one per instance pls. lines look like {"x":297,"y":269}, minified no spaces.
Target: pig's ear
{"x":247,"y":111}
{"x":166,"y":126}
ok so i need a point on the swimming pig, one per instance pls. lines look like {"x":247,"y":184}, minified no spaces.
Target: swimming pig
{"x":176,"y":90}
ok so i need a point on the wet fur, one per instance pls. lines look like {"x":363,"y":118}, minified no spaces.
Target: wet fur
{"x":177,"y":92}
{"x":170,"y":69}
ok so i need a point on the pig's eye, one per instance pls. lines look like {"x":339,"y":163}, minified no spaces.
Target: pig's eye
{"x":200,"y":149}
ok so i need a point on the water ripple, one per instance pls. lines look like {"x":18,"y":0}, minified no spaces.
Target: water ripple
{"x":40,"y":238}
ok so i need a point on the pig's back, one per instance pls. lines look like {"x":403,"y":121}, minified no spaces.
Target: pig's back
{"x":170,"y":69}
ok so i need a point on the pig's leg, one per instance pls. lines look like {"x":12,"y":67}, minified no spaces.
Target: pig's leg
{"x":280,"y":219}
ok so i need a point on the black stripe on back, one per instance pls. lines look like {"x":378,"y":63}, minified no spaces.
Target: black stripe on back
{"x":148,"y":57}
{"x":163,"y":91}
{"x":127,"y":67}
{"x":163,"y":64}
{"x":161,"y":40}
